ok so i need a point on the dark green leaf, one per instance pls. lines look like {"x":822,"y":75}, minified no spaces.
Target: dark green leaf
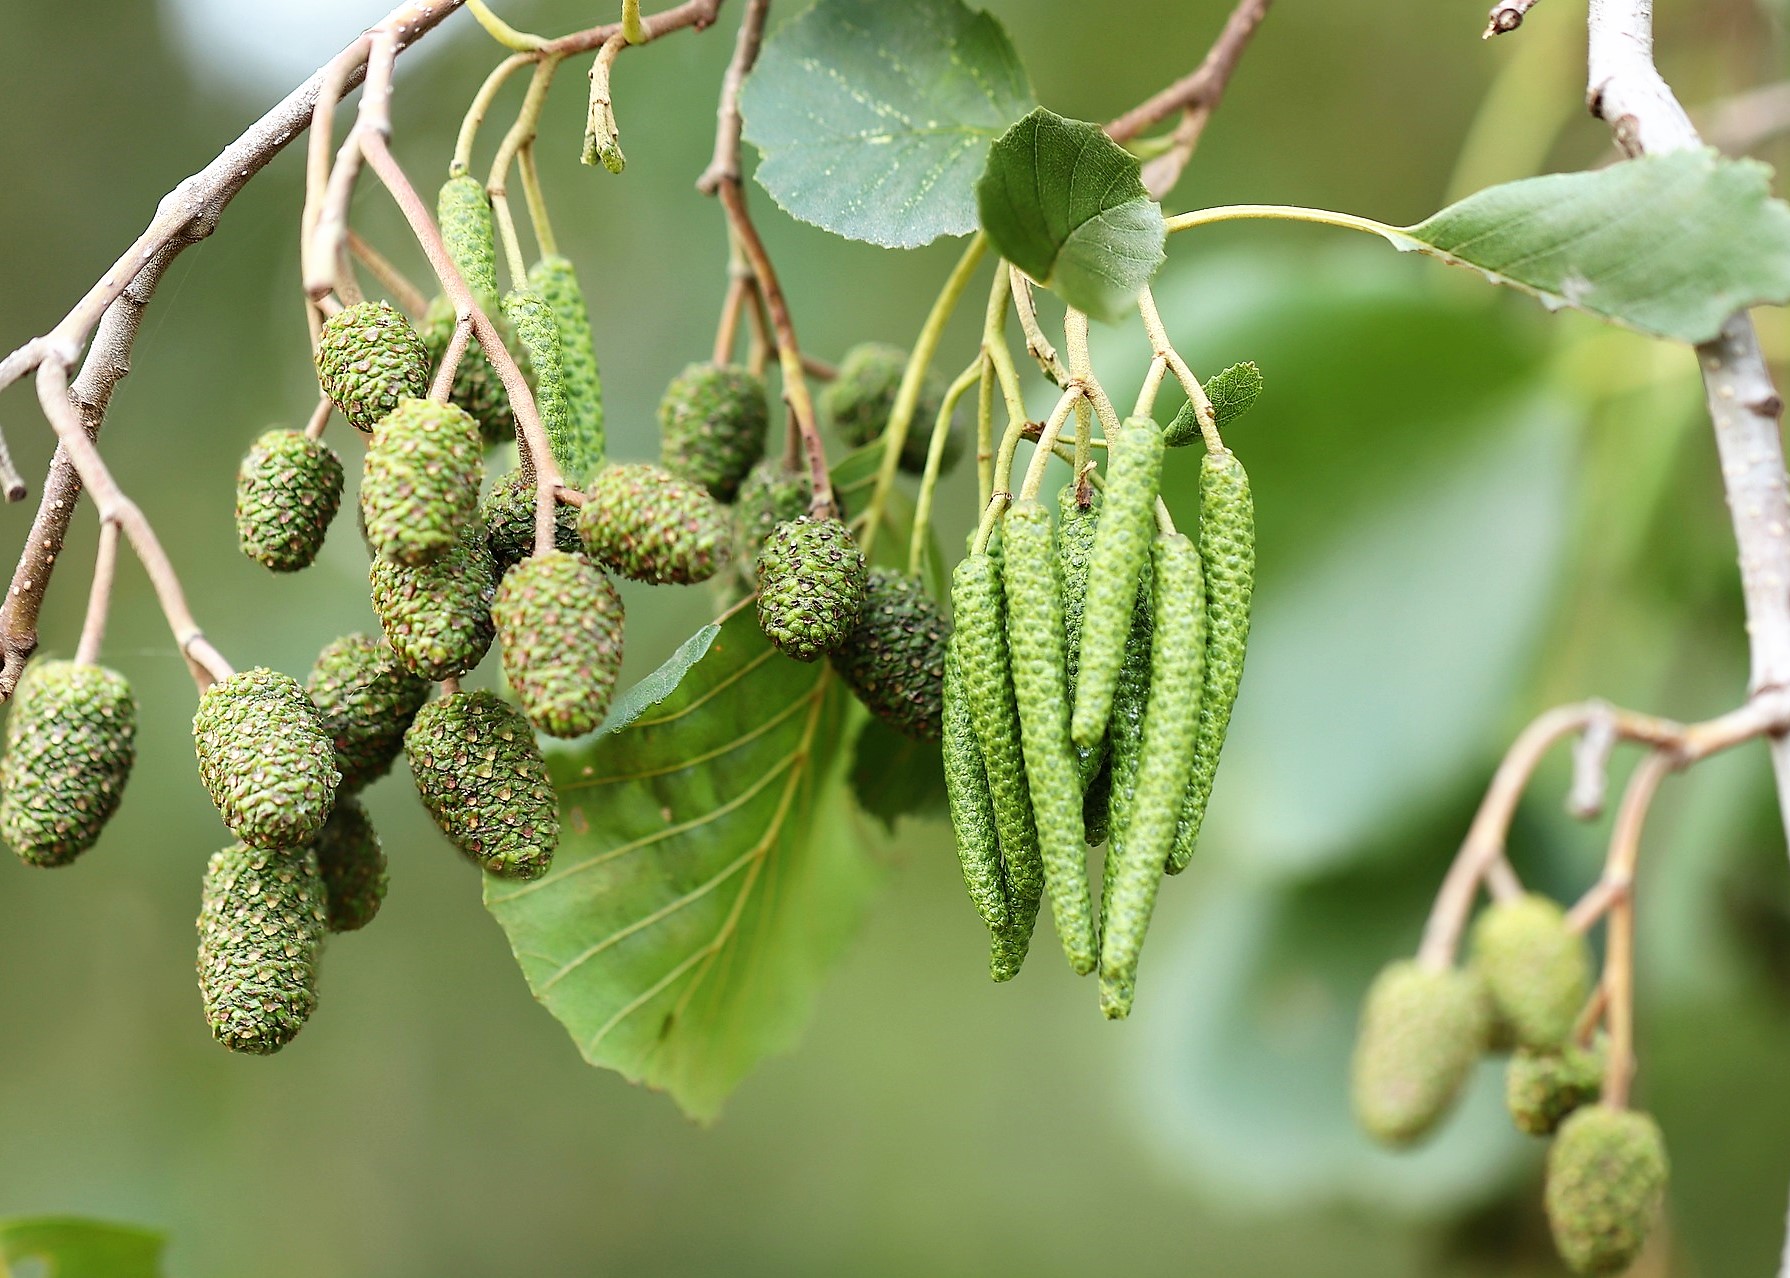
{"x":705,"y":876}
{"x":1671,"y":245}
{"x":895,"y":776}
{"x":1233,"y":392}
{"x":1066,"y":204}
{"x":70,"y":1247}
{"x":873,"y":119}
{"x":662,"y":682}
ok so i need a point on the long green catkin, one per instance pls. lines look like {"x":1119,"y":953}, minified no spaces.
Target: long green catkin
{"x":1227,"y":554}
{"x":1035,"y":641}
{"x":1121,"y":548}
{"x":1171,"y":723}
{"x":1125,"y":735}
{"x":470,"y":235}
{"x":972,"y":807}
{"x":538,"y":332}
{"x":978,"y":618}
{"x":554,"y":279}
{"x":1076,"y":525}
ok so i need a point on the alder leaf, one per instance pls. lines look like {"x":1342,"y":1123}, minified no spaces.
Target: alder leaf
{"x":706,"y":876}
{"x":1671,"y":244}
{"x":1067,"y":205}
{"x":873,"y":119}
{"x":72,"y":1247}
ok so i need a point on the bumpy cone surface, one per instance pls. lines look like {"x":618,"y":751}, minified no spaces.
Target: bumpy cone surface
{"x":1542,"y":1088}
{"x":1606,"y":1176}
{"x":894,"y":657}
{"x":560,"y":620}
{"x":811,"y":582}
{"x":420,"y":489}
{"x":366,"y":700}
{"x":265,"y":758}
{"x":712,"y":424}
{"x":769,"y":496}
{"x":353,"y":868}
{"x":70,"y":743}
{"x":1421,"y":1031}
{"x":261,"y":921}
{"x":509,"y":514}
{"x":482,"y":778}
{"x":648,"y":525}
{"x":288,"y":489}
{"x":477,"y":387}
{"x":438,"y":619}
{"x":1537,"y":969}
{"x":859,"y":400}
{"x":368,"y":358}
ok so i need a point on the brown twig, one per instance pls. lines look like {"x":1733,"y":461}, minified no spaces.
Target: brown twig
{"x":99,"y":594}
{"x":1506,"y":17}
{"x":408,"y":296}
{"x":458,"y":340}
{"x":319,"y":417}
{"x":12,"y":484}
{"x":1619,"y":949}
{"x":724,"y":162}
{"x":698,"y":14}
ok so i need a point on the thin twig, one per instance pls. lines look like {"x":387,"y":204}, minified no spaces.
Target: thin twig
{"x":408,"y":296}
{"x":12,"y":484}
{"x":1165,"y":349}
{"x":724,"y":162}
{"x":451,"y":358}
{"x":602,"y":136}
{"x":319,"y":417}
{"x":1506,"y":17}
{"x":1619,"y":948}
{"x":1038,"y":346}
{"x":99,"y":594}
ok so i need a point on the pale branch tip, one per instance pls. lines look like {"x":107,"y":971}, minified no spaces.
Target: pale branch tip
{"x":1507,"y":17}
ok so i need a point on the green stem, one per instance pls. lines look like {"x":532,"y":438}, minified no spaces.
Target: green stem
{"x":501,"y":31}
{"x":522,"y":132}
{"x":992,"y":510}
{"x":538,"y":216}
{"x":985,"y":432}
{"x":1081,"y":369}
{"x":481,"y":106}
{"x":1165,"y":351}
{"x":1146,"y":395}
{"x":1288,"y":213}
{"x":935,"y":461}
{"x":1047,"y":441}
{"x":632,"y":31}
{"x":914,"y":377}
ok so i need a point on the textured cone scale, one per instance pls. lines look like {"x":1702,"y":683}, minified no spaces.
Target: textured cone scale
{"x":811,"y":582}
{"x":477,"y":388}
{"x":265,"y":758}
{"x":1606,"y":1176}
{"x":438,"y":618}
{"x":769,"y":495}
{"x":1542,"y":1088}
{"x":420,"y":489}
{"x":712,"y":424}
{"x":1421,"y":1032}
{"x":648,"y":525}
{"x":352,"y":865}
{"x":261,"y":921}
{"x":509,"y":514}
{"x":288,"y":489}
{"x":70,"y":743}
{"x":366,"y":700}
{"x":894,"y":657}
{"x":1537,"y":969}
{"x":481,"y":776}
{"x":560,"y":620}
{"x":859,"y":400}
{"x":368,"y":358}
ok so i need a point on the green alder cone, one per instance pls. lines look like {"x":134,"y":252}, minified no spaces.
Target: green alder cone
{"x":893,"y":659}
{"x":420,"y":488}
{"x":369,"y":358}
{"x":469,"y":231}
{"x":649,"y":525}
{"x":560,"y":620}
{"x":288,"y":489}
{"x":1125,"y":735}
{"x":265,"y":758}
{"x":1035,"y":644}
{"x":477,"y":387}
{"x":1421,"y":1033}
{"x":508,"y":512}
{"x":352,"y":865}
{"x":1227,"y":552}
{"x":261,"y":923}
{"x":1151,"y":805}
{"x":860,"y":398}
{"x":437,"y":618}
{"x":768,"y":496}
{"x":1542,"y":1088}
{"x":1122,"y":539}
{"x":712,"y":424}
{"x":538,"y":331}
{"x":1606,"y":1178}
{"x":1537,"y":969}
{"x":70,"y":745}
{"x":555,"y":280}
{"x":483,"y":780}
{"x":366,"y":699}
{"x":1233,"y":392}
{"x":978,"y":640}
{"x":811,"y":584}
{"x":1076,"y":525}
{"x":971,"y":805}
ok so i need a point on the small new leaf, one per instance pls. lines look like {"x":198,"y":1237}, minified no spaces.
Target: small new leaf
{"x":873,"y":119}
{"x":1067,"y":205}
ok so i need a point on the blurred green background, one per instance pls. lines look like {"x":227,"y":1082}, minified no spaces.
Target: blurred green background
{"x":1468,"y":511}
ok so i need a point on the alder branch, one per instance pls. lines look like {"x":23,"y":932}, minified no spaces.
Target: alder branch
{"x":1506,"y":17}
